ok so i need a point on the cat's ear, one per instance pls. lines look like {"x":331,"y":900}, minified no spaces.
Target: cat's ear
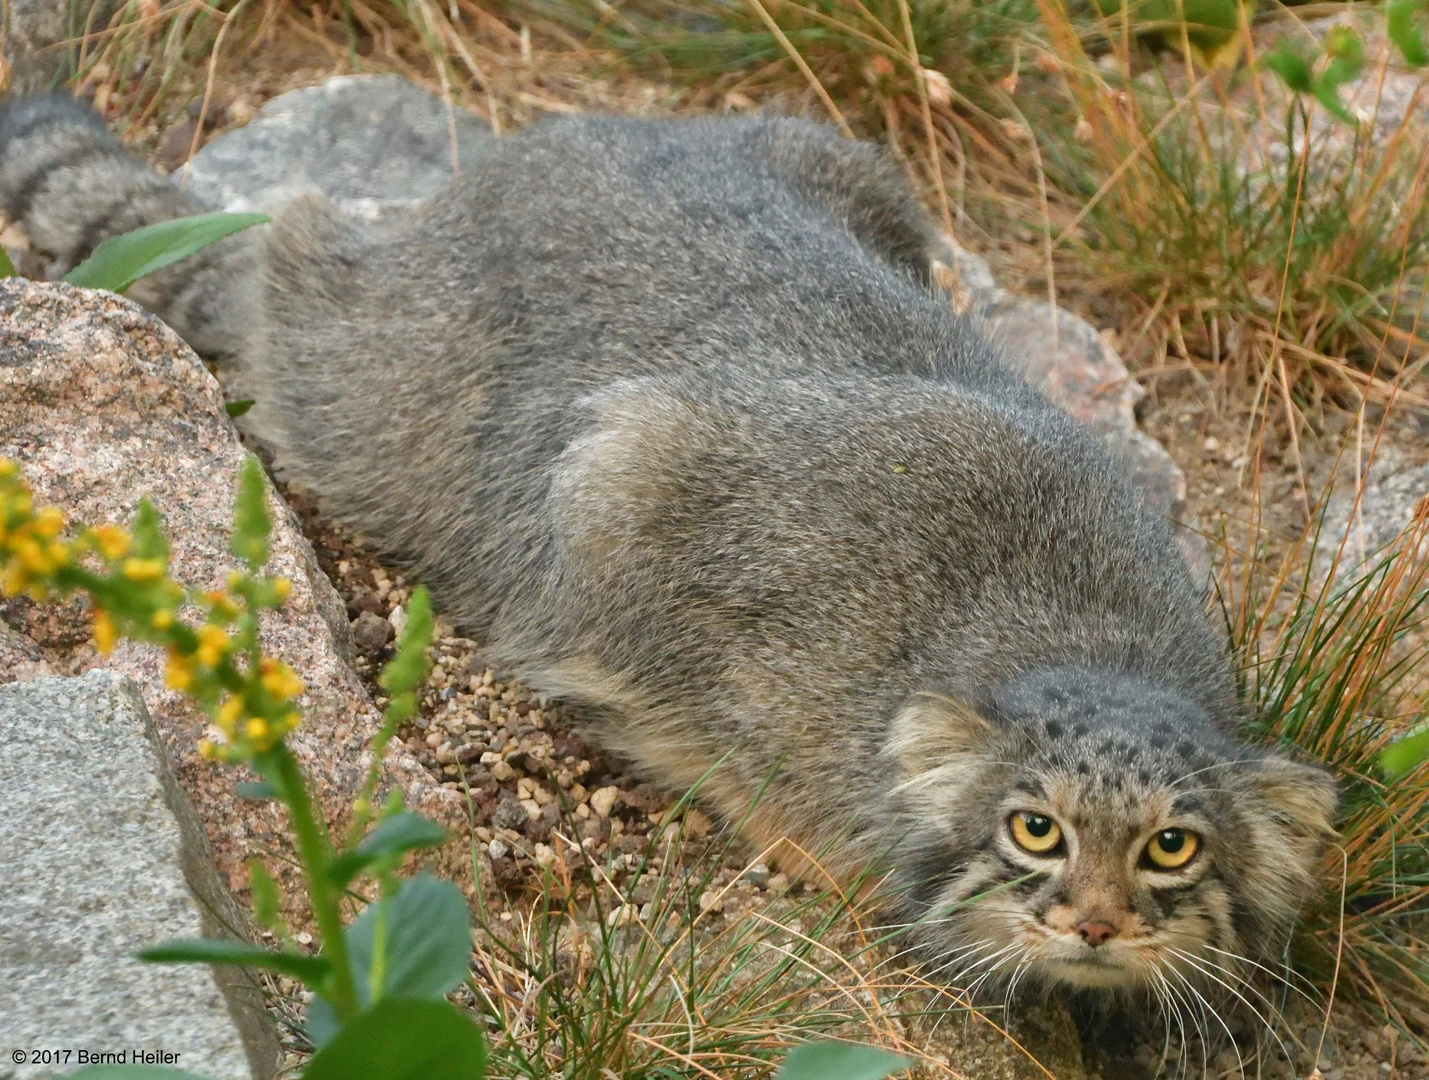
{"x":1301,"y":797}
{"x":932,"y":730}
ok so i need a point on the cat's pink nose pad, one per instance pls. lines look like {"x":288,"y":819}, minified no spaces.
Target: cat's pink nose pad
{"x":1096,"y":933}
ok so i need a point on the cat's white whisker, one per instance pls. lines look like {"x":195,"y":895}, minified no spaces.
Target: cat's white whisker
{"x":1208,"y":1007}
{"x":1208,"y":969}
{"x":1184,"y":1010}
{"x":1283,"y":978}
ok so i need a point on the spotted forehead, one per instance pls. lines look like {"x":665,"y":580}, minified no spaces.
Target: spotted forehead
{"x":1114,"y":733}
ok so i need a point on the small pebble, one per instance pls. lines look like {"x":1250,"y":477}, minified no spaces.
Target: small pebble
{"x":603,"y":800}
{"x":370,"y":632}
{"x":757,"y":875}
{"x":498,"y":848}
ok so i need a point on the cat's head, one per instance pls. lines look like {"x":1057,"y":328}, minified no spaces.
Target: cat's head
{"x":1090,"y":828}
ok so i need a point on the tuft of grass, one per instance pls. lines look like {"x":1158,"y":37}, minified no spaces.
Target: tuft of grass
{"x":627,"y":967}
{"x":1243,"y":222}
{"x":1333,"y":650}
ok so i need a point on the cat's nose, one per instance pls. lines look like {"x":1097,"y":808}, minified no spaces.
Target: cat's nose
{"x":1096,"y":933}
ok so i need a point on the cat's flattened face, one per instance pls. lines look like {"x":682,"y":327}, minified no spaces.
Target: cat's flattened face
{"x":1092,"y":830}
{"x":1128,"y":884}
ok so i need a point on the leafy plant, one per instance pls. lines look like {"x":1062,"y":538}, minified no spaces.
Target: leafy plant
{"x":848,"y":1061}
{"x":389,"y":970}
{"x":1344,"y":59}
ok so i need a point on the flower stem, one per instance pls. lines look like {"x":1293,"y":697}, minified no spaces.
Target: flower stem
{"x":313,"y":850}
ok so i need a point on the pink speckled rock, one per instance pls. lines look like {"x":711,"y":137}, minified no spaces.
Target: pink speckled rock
{"x":102,"y":405}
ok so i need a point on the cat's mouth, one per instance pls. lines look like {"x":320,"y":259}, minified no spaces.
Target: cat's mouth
{"x":1096,"y":968}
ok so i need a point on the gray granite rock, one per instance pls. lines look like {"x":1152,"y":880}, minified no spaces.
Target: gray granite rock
{"x":369,"y":142}
{"x":103,"y":855}
{"x":101,"y":404}
{"x":1394,"y":484}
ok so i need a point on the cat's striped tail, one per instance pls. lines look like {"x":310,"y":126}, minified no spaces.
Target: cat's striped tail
{"x":70,"y":184}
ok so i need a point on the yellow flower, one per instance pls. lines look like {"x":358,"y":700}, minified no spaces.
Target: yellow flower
{"x":32,"y":557}
{"x":179,"y":673}
{"x":15,"y":579}
{"x":105,"y":634}
{"x":235,"y":579}
{"x":143,"y":570}
{"x":207,"y":750}
{"x":222,"y":603}
{"x":281,"y":588}
{"x":279,"y":679}
{"x":113,"y":542}
{"x":257,"y":729}
{"x":162,"y":619}
{"x":213,"y":644}
{"x":49,"y":522}
{"x":228,"y":714}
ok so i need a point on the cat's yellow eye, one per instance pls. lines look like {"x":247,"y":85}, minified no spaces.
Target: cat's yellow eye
{"x":1034,"y":832}
{"x":1171,"y":849}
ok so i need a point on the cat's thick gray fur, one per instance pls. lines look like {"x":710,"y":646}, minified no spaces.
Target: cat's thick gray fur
{"x":668,"y":412}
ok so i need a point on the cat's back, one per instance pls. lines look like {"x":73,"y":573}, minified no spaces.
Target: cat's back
{"x":625,"y":245}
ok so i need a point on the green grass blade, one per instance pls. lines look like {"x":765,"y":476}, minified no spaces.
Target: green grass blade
{"x":7,"y":268}
{"x":122,"y":260}
{"x":309,"y":969}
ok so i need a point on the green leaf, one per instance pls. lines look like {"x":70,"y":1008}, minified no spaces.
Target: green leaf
{"x":399,"y":833}
{"x":149,"y":542}
{"x":427,"y":941}
{"x":133,"y":1072}
{"x":1399,"y":20}
{"x":403,"y":1040}
{"x":1346,"y":52}
{"x":840,"y":1061}
{"x":7,"y":268}
{"x":1405,"y":755}
{"x":320,"y":1023}
{"x":266,"y":898}
{"x":1293,"y":68}
{"x":255,"y":790}
{"x":238,"y":408}
{"x":122,"y":260}
{"x":409,"y":667}
{"x":251,"y":523}
{"x":308,"y":969}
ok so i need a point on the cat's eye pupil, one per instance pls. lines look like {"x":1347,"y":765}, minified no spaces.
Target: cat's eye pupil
{"x":1038,"y":825}
{"x":1172,"y":841}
